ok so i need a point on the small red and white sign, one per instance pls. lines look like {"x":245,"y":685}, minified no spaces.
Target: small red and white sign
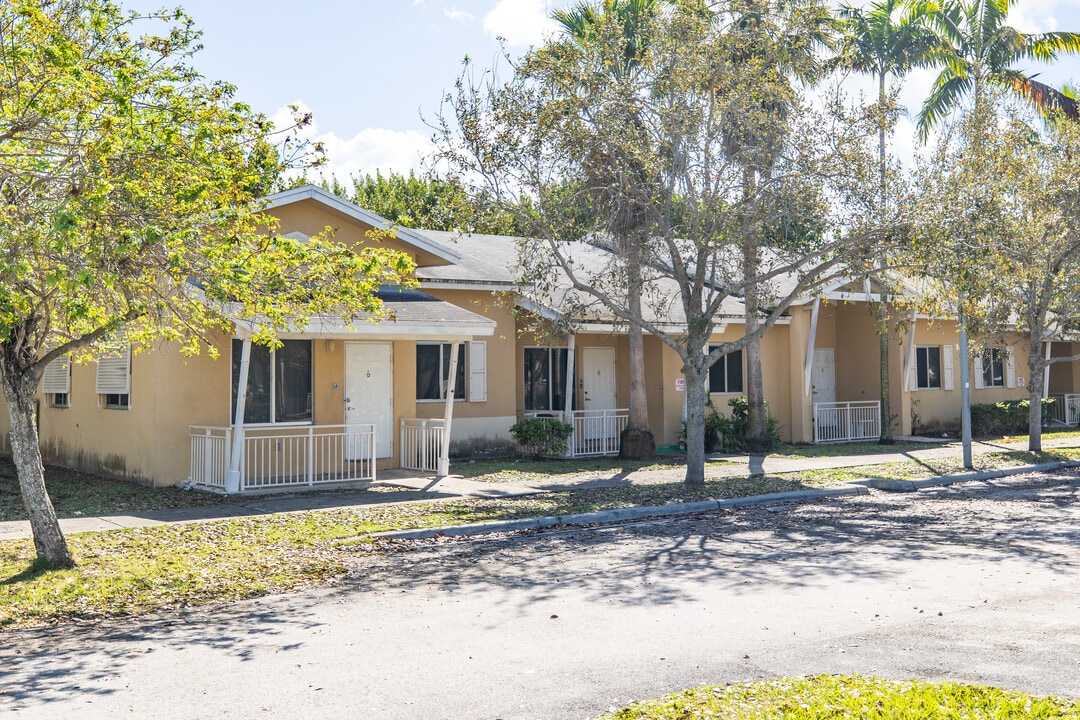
{"x":680,"y":384}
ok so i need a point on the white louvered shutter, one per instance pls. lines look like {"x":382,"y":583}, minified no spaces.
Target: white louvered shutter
{"x":57,"y":376}
{"x":114,"y":374}
{"x":912,"y":366}
{"x":980,"y":383}
{"x":478,"y":371}
{"x":1010,"y":371}
{"x":947,"y":368}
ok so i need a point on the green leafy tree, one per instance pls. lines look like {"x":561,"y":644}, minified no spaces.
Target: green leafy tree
{"x":998,"y":219}
{"x":623,"y":208}
{"x":887,"y":38}
{"x":128,"y":185}
{"x":427,"y":202}
{"x":562,"y":111}
{"x":774,"y":44}
{"x":981,"y":53}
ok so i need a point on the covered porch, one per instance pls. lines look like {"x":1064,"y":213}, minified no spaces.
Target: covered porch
{"x":336,"y":402}
{"x":841,"y":371}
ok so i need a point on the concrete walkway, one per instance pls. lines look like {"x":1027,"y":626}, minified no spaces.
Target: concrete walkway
{"x":397,"y":486}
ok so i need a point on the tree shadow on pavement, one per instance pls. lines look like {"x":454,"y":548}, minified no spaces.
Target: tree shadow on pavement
{"x":787,"y":546}
{"x":42,"y":666}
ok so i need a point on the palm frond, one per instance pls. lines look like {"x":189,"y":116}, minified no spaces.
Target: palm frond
{"x":948,"y":88}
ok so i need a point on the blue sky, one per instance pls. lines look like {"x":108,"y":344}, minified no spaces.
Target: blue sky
{"x":367,"y":69}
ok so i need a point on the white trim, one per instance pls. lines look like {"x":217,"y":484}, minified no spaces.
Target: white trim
{"x":312,"y":192}
{"x":1010,"y":369}
{"x":321,"y":327}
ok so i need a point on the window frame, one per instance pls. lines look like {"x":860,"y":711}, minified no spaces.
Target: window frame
{"x":922,"y":354}
{"x":461,"y":385}
{"x":273,"y":375}
{"x":724,"y":374}
{"x":558,"y":352}
{"x":996,"y":357}
{"x":56,"y":402}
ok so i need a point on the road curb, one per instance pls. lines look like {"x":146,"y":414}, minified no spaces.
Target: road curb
{"x":856,"y":487}
{"x":891,"y":485}
{"x":619,"y":515}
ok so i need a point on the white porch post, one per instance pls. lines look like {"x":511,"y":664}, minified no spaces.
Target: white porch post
{"x":232,"y":478}
{"x":909,"y":353}
{"x":568,"y":398}
{"x":448,"y":416}
{"x":808,"y":371}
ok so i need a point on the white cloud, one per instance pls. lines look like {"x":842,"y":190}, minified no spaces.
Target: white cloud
{"x":365,"y":152}
{"x":519,"y":22}
{"x":453,"y":13}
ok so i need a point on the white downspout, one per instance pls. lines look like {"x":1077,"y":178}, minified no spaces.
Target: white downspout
{"x":232,"y":478}
{"x":448,"y":415}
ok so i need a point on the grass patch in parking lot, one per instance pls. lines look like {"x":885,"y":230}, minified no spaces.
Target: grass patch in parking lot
{"x":847,"y":698}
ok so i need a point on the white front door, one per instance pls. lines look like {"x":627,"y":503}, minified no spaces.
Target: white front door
{"x":598,"y":384}
{"x":824,"y":375}
{"x":369,"y":392}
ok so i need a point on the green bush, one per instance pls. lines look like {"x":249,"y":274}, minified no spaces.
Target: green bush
{"x":1009,"y":417}
{"x":541,"y":436}
{"x":728,"y":432}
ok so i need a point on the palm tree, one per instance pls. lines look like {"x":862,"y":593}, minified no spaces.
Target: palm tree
{"x":889,"y":37}
{"x":781,"y":39}
{"x":982,"y":50}
{"x":628,"y":221}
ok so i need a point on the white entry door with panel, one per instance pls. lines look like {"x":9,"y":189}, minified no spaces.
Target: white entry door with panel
{"x":598,"y":386}
{"x":369,"y":391}
{"x":824,"y":375}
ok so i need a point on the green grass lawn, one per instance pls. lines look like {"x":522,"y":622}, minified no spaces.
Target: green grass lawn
{"x":75,"y":493}
{"x":848,"y":698}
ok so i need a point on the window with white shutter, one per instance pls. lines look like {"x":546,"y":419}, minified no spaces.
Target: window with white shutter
{"x":114,"y":379}
{"x":947,"y":367}
{"x":478,"y":371}
{"x":56,"y":381}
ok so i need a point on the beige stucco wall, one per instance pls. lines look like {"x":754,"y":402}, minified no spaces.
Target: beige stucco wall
{"x":940,"y":409}
{"x":149,"y":441}
{"x":1065,"y":376}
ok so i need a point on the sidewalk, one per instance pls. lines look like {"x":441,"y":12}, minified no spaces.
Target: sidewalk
{"x":403,"y":487}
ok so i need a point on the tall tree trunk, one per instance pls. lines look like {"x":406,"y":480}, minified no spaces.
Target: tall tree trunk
{"x":886,"y":437}
{"x":695,"y":418}
{"x":636,"y":442}
{"x":1037,"y":367}
{"x":757,"y":427}
{"x":49,"y":541}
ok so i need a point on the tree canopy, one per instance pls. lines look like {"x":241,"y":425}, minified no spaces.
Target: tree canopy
{"x":129,"y":215}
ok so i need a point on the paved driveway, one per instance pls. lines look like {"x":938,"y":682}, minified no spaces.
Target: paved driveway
{"x":976,"y":583}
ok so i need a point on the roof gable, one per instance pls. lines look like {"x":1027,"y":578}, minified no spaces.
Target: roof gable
{"x":427,"y":251}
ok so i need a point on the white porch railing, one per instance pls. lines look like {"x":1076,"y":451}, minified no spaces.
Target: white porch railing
{"x":421,"y":442}
{"x":596,"y":432}
{"x":847,"y":421}
{"x":284,"y":457}
{"x":1057,"y":410}
{"x":1072,"y":409}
